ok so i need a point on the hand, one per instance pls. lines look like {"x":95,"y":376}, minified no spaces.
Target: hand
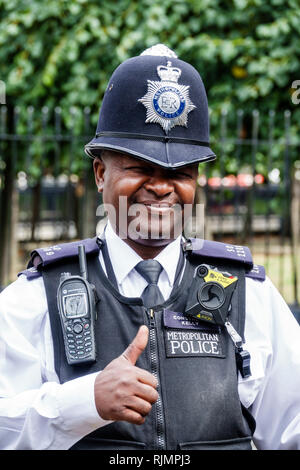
{"x":124,"y":392}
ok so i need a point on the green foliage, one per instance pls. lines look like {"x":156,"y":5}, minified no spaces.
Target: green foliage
{"x":62,"y":53}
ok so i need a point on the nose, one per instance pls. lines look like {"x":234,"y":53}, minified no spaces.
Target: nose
{"x":160,"y":186}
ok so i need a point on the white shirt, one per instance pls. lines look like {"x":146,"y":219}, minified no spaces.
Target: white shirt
{"x":37,"y":412}
{"x":124,"y":259}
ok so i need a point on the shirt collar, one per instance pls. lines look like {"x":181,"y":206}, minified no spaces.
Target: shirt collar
{"x":124,"y":264}
{"x":169,"y":258}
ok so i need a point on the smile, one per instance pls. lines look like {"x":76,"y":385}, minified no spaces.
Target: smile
{"x":159,"y":208}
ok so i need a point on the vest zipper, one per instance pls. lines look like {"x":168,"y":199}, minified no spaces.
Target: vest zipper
{"x":160,"y":442}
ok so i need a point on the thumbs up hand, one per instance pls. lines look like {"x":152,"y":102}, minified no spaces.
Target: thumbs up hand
{"x":124,"y":392}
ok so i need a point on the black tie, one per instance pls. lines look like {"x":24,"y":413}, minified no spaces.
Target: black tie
{"x":150,"y":269}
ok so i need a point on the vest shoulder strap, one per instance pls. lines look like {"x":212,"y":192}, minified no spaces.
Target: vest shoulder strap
{"x":226,"y":252}
{"x":50,"y":255}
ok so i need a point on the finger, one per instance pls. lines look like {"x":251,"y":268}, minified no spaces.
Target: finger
{"x":146,"y":392}
{"x":137,"y":345}
{"x":137,"y":404}
{"x":146,"y":377}
{"x":132,"y":416}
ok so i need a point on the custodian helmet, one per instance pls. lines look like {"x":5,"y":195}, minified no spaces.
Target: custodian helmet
{"x":155,"y":108}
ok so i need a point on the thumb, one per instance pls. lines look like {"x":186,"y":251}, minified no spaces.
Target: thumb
{"x":137,"y":345}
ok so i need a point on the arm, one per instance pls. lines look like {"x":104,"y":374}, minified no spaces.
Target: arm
{"x":273,"y":337}
{"x":36,"y":412}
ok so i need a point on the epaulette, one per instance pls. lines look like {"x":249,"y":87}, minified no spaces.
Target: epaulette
{"x":257,"y":272}
{"x":226,"y":251}
{"x":30,"y":273}
{"x":45,"y":256}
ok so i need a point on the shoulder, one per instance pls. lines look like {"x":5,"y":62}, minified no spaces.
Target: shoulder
{"x":226,"y":252}
{"x":42,"y":257}
{"x":23,"y":300}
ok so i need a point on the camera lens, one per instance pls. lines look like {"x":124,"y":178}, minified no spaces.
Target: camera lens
{"x":202,"y":271}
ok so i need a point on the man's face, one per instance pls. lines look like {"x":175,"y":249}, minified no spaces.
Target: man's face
{"x":148,"y":200}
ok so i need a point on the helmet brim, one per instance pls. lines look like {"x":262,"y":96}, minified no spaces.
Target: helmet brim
{"x":165,"y":154}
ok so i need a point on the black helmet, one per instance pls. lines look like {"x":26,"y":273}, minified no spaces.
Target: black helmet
{"x":155,"y":108}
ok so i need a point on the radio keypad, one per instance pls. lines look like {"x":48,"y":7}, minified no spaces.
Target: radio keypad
{"x":78,"y":344}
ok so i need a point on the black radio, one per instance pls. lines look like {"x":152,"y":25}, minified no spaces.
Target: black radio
{"x":76,"y":299}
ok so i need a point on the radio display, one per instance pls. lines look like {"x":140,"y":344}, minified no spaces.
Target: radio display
{"x":75,"y":305}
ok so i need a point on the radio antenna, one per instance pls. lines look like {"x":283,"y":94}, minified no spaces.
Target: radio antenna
{"x":82,"y":261}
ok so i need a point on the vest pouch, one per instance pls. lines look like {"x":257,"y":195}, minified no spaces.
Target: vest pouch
{"x":94,"y":443}
{"x":243,"y":443}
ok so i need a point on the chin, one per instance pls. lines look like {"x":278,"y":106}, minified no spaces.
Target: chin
{"x":153,"y":242}
{"x":157,"y":236}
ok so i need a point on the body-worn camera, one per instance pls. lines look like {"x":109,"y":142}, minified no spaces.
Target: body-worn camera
{"x":77,"y":310}
{"x":211,"y":293}
{"x":210,"y":301}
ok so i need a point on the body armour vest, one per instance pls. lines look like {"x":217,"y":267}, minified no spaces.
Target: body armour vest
{"x":195,"y":362}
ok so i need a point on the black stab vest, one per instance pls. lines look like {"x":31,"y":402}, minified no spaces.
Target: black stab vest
{"x":199,"y":406}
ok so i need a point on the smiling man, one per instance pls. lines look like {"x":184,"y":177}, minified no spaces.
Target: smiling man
{"x":157,"y":341}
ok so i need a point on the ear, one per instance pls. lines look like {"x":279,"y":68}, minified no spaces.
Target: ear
{"x":99,"y":169}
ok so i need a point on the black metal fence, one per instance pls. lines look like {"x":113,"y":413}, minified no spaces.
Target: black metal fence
{"x":251,"y":193}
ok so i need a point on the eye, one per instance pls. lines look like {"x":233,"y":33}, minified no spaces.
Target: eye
{"x":133,"y":168}
{"x":137,"y":169}
{"x":184,"y":175}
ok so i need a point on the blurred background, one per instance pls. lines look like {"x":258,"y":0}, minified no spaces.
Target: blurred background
{"x":55,"y":61}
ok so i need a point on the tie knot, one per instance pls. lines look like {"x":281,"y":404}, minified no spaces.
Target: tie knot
{"x":150,"y":269}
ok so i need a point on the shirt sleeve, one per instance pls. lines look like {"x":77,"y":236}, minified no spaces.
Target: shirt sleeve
{"x":273,"y":339}
{"x":36,"y":411}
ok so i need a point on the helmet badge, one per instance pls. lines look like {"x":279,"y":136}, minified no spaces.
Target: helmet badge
{"x":167,"y":102}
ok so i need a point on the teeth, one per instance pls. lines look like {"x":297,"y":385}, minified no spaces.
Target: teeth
{"x":159,"y":208}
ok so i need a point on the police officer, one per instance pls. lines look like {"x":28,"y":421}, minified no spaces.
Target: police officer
{"x":196,"y":349}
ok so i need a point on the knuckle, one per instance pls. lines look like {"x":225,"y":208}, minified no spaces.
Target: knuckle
{"x":154,"y":396}
{"x":155,"y":383}
{"x":124,"y":381}
{"x":119,"y":394}
{"x":152,"y":380}
{"x":140,"y":420}
{"x":148,"y":408}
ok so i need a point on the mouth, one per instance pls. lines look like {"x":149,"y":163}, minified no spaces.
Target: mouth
{"x":155,"y":207}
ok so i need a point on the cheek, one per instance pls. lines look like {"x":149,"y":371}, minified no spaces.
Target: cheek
{"x":117,"y":184}
{"x":186,"y":191}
